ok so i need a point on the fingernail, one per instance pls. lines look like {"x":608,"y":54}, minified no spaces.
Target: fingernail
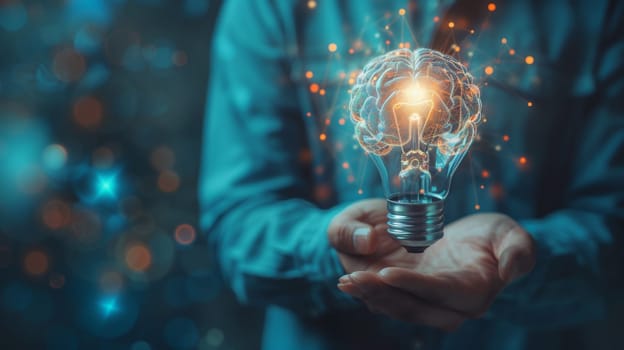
{"x":344,"y":279}
{"x":360,"y":239}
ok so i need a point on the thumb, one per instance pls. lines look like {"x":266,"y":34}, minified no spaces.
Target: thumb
{"x":516,"y":254}
{"x":352,"y":237}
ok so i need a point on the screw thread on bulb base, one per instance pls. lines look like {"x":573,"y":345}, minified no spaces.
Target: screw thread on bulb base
{"x":415,"y":224}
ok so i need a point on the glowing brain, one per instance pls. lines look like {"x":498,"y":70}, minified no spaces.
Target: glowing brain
{"x":416,"y":100}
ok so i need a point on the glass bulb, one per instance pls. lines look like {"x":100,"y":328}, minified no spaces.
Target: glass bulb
{"x":415,"y":114}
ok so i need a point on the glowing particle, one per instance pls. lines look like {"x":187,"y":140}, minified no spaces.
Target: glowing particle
{"x":455,"y":48}
{"x":322,"y":137}
{"x":314,"y":88}
{"x":407,"y":45}
{"x":56,"y":214}
{"x":512,"y":52}
{"x":54,"y":157}
{"x":529,"y":60}
{"x":497,"y":148}
{"x":506,"y":138}
{"x":485,"y":174}
{"x":530,"y":104}
{"x":503,"y":40}
{"x":489,"y":70}
{"x":451,"y":24}
{"x":309,"y":74}
{"x":69,"y":65}
{"x":491,"y":7}
{"x":436,"y":19}
{"x":360,"y":192}
{"x":88,"y":112}
{"x":402,"y":12}
{"x":308,"y":114}
{"x":351,"y":51}
{"x":109,"y":306}
{"x":341,"y":121}
{"x":400,"y":45}
{"x":185,"y":234}
{"x":36,"y":263}
{"x":345,"y":165}
{"x":522,"y":160}
{"x":311,"y":4}
{"x":387,"y":42}
{"x":477,"y":207}
{"x":332,"y":47}
{"x":472,"y":31}
{"x":322,"y":92}
{"x":138,"y":257}
{"x":351,"y":81}
{"x":482,"y":187}
{"x":168,"y":181}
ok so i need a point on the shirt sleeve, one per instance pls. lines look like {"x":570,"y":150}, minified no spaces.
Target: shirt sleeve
{"x":580,"y":266}
{"x":269,"y":238}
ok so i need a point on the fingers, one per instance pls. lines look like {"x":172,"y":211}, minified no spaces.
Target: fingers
{"x":515,"y":251}
{"x":351,"y":231}
{"x":397,"y":304}
{"x":351,"y":237}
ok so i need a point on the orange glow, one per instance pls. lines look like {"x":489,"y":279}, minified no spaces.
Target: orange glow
{"x":341,"y":121}
{"x":485,"y":174}
{"x":477,"y":207}
{"x":436,"y":19}
{"x":489,"y":70}
{"x":138,"y":257}
{"x":88,"y":112}
{"x":402,"y":12}
{"x":69,"y":65}
{"x":56,"y":214}
{"x":309,"y":74}
{"x":529,"y":60}
{"x":322,"y":92}
{"x":311,"y":4}
{"x":512,"y":52}
{"x":530,"y":104}
{"x":522,"y":160}
{"x":504,"y":40}
{"x":451,"y":24}
{"x":332,"y":47}
{"x":314,"y":88}
{"x":351,"y":51}
{"x":491,"y":7}
{"x":407,"y":45}
{"x":36,"y":263}
{"x":506,"y":138}
{"x":322,"y":137}
{"x":345,"y":165}
{"x":185,"y":234}
{"x":168,"y":181}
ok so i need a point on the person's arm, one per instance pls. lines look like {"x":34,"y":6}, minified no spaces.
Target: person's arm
{"x":269,"y":238}
{"x":579,"y":247}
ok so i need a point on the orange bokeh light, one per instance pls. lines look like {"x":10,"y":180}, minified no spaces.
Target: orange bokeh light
{"x":36,"y":263}
{"x":529,"y":60}
{"x":185,"y":234}
{"x":138,"y":257}
{"x":88,"y":112}
{"x":491,"y":7}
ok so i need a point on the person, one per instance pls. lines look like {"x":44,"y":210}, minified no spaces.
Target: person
{"x":294,"y":210}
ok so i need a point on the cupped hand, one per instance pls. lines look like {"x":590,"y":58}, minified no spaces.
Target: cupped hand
{"x":456,"y":278}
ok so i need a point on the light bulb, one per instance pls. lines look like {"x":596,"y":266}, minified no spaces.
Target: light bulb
{"x":415,"y":114}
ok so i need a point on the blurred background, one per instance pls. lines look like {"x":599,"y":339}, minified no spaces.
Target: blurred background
{"x":101,"y":106}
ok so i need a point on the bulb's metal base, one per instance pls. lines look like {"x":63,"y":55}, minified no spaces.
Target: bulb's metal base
{"x":416,"y":224}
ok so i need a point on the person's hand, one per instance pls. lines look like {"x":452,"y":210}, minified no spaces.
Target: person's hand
{"x":359,"y":235}
{"x":456,"y":278}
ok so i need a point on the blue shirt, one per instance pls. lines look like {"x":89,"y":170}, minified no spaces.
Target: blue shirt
{"x":280,"y":161}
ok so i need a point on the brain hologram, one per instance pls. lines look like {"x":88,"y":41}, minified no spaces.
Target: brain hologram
{"x":422,"y":102}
